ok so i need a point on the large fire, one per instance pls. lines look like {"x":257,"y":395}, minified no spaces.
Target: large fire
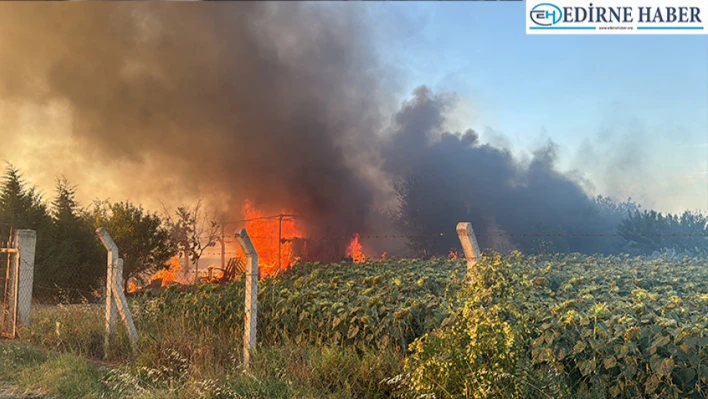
{"x":272,"y":238}
{"x":355,"y":250}
{"x":168,"y":275}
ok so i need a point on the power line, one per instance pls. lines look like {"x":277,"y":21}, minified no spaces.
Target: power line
{"x":289,"y":217}
{"x":486,"y":235}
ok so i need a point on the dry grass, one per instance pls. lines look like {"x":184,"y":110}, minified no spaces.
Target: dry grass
{"x":63,"y":355}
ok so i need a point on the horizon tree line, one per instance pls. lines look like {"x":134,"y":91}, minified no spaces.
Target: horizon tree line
{"x":70,"y":261}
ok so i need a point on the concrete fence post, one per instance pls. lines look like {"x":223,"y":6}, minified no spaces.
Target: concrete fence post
{"x":469,"y":245}
{"x":122,"y":303}
{"x":115,"y":297}
{"x":251,"y":308}
{"x":111,"y":309}
{"x":17,"y":303}
{"x":26,"y":245}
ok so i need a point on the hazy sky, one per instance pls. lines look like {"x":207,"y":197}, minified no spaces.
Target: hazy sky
{"x":629,"y":112}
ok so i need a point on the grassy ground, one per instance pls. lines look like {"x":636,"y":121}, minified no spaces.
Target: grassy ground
{"x":325,"y":331}
{"x":30,"y":372}
{"x":61,"y":356}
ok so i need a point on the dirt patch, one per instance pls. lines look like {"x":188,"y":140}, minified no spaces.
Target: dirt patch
{"x":10,"y":392}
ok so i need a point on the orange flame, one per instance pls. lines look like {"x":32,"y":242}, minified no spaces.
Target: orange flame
{"x":355,"y":250}
{"x":453,"y":255}
{"x":264,"y":234}
{"x":212,"y":274}
{"x":132,"y":287}
{"x":168,"y":275}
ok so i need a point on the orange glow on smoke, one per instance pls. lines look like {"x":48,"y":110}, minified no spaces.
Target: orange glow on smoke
{"x":355,"y":250}
{"x":168,"y":275}
{"x":264,"y":235}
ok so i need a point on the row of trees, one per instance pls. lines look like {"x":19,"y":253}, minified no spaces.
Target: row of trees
{"x":70,"y":262}
{"x":599,"y":225}
{"x":650,"y":231}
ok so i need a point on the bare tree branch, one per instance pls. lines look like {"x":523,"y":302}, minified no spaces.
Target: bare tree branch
{"x":193,"y":230}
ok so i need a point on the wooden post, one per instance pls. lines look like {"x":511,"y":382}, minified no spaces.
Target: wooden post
{"x":26,"y":241}
{"x":251,"y":311}
{"x":469,"y":245}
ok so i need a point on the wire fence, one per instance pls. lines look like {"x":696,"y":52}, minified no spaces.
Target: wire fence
{"x":368,"y":236}
{"x":295,"y":218}
{"x":276,"y":240}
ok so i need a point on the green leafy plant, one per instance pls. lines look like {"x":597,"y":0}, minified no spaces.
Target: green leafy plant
{"x":571,"y":326}
{"x":376,"y":304}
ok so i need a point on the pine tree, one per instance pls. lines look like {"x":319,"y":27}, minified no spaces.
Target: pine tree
{"x":21,"y":207}
{"x":77,"y":264}
{"x":65,"y":208}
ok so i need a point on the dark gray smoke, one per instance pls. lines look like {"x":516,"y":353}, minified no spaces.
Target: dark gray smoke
{"x":265,"y":101}
{"x":278,"y":103}
{"x":450,"y":177}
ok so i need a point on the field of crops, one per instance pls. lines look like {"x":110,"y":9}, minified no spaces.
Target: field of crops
{"x":561,"y":326}
{"x":572,"y":326}
{"x":374,"y":304}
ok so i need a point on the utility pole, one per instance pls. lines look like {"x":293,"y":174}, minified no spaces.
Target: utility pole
{"x":223,"y":248}
{"x":186,"y":259}
{"x":280,"y":241}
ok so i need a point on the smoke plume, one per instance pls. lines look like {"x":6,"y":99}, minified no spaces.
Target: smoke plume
{"x":278,"y":103}
{"x":263,"y":101}
{"x":453,"y":177}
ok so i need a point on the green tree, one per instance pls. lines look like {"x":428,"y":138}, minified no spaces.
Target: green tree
{"x":650,"y":231}
{"x":22,"y":208}
{"x":77,"y":263}
{"x":144,"y":243}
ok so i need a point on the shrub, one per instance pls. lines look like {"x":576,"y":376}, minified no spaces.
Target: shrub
{"x":570,"y":326}
{"x":484,"y":342}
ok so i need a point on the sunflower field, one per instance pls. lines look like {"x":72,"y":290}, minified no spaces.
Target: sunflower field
{"x":556,"y":326}
{"x":571,"y":326}
{"x":383,"y":303}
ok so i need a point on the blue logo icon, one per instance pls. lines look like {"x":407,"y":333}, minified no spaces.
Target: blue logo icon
{"x":546,"y":14}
